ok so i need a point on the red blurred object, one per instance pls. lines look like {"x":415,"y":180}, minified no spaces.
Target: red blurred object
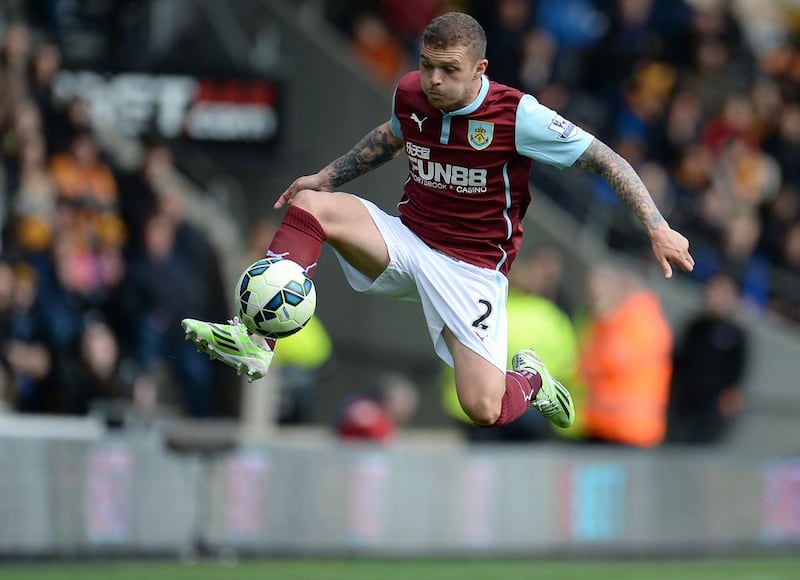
{"x":364,"y":418}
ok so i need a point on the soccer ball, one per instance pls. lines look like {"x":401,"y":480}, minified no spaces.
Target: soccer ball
{"x":275,"y":297}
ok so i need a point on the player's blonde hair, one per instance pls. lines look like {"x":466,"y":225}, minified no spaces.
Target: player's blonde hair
{"x":456,"y":29}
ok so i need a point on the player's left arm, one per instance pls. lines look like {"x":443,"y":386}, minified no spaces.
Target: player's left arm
{"x":669,"y":246}
{"x":373,"y":150}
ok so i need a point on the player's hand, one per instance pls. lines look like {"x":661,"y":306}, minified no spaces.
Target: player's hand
{"x":671,"y":247}
{"x":316,"y":182}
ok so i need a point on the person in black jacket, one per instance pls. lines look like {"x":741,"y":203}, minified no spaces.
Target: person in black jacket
{"x":710,"y":361}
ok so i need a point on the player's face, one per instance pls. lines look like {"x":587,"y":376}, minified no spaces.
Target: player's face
{"x":451,"y":78}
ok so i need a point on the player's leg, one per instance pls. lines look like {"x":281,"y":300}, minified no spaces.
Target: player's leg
{"x":489,"y":396}
{"x":313,"y":218}
{"x":347,"y":226}
{"x":479,"y":383}
{"x":493,"y":398}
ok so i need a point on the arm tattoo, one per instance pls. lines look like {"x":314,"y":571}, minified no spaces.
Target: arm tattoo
{"x":374,"y":149}
{"x":599,"y":158}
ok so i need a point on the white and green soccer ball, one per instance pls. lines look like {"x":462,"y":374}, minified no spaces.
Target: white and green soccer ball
{"x":275,"y":297}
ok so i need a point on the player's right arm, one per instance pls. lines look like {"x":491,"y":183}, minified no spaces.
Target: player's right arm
{"x":669,"y":246}
{"x":373,"y":150}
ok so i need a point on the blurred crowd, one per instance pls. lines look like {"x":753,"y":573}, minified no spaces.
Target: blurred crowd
{"x":98,"y":261}
{"x":701,"y":96}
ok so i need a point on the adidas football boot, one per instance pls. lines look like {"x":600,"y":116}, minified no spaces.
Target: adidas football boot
{"x":553,"y":399}
{"x":232,"y":344}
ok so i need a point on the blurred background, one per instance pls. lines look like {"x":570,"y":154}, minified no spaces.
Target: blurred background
{"x":143,"y":144}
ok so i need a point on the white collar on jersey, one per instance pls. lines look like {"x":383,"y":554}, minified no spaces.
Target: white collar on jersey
{"x":467,"y":109}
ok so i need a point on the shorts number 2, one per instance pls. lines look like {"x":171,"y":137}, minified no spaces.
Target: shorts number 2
{"x":478,"y":322}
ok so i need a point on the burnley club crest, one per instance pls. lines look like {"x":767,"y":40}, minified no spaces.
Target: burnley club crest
{"x":479,"y":134}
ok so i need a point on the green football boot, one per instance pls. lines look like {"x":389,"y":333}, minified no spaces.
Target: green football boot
{"x":553,"y":399}
{"x":232,"y":344}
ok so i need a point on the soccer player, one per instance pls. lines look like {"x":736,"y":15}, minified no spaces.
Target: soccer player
{"x":469,"y":143}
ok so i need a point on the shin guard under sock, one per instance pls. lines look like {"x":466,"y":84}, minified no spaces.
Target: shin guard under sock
{"x":521,"y":388}
{"x":299,"y":238}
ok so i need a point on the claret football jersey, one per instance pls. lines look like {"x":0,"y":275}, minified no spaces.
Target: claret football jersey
{"x":467,"y":188}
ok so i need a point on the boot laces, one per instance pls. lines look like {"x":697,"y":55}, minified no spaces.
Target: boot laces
{"x":547,"y":407}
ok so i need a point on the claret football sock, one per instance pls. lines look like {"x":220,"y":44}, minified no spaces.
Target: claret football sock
{"x":521,"y":388}
{"x":299,"y":238}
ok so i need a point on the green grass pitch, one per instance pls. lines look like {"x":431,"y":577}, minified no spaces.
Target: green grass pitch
{"x":469,"y":569}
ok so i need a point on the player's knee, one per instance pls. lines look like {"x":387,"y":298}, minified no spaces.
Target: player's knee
{"x":307,"y":200}
{"x":322,"y":205}
{"x":483,"y":411}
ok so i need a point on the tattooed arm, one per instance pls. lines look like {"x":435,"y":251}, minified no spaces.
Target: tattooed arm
{"x":601,"y":159}
{"x":372,"y":151}
{"x":669,"y":246}
{"x":375,"y":149}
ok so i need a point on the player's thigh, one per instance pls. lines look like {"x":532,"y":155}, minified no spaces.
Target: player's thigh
{"x":349,"y":229}
{"x":480,"y":385}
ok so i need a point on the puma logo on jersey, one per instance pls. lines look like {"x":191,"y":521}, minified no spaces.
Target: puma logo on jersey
{"x":418,"y":121}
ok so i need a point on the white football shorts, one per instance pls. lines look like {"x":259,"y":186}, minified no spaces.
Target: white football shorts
{"x":467,"y":299}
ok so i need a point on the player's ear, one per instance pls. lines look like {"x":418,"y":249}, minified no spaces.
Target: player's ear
{"x":480,"y":68}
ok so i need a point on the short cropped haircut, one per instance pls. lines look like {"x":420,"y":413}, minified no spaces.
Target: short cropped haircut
{"x":456,"y":29}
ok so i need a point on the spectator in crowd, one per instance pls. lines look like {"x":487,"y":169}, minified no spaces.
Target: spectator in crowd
{"x":378,"y":413}
{"x":737,"y":255}
{"x":73,"y":117}
{"x":7,"y":403}
{"x":376,"y":48}
{"x":509,"y":25}
{"x":92,"y":370}
{"x":79,"y":275}
{"x":682,"y":125}
{"x":139,"y":189}
{"x":784,"y":298}
{"x":625,"y":350}
{"x":82,"y":177}
{"x":25,"y":353}
{"x":7,"y":283}
{"x":33,"y":210}
{"x":736,"y":122}
{"x":748,"y":176}
{"x":408,"y":19}
{"x":543,"y":275}
{"x":778,"y":216}
{"x":718,"y":60}
{"x":784,"y":143}
{"x":45,"y":64}
{"x":26,"y":126}
{"x":710,"y":362}
{"x":15,"y":48}
{"x":163,"y":280}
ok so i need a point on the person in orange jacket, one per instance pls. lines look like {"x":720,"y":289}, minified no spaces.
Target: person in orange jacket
{"x":625,"y":360}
